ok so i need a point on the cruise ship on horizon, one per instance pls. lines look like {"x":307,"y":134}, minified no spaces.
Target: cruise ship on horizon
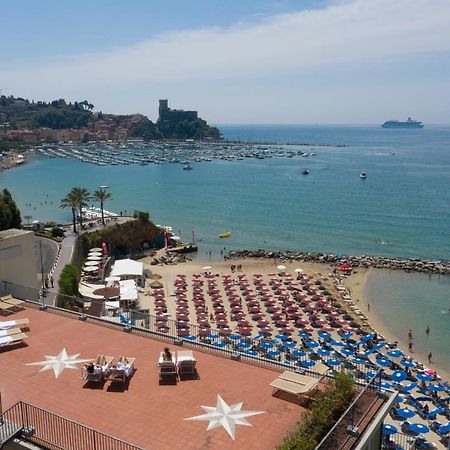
{"x":410,"y":123}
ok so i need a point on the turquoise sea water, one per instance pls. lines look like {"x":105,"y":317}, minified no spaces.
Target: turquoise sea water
{"x":401,"y":209}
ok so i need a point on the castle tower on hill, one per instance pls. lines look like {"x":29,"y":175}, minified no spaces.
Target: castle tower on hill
{"x":168,"y":116}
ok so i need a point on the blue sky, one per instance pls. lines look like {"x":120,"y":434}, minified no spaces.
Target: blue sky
{"x":330,"y":61}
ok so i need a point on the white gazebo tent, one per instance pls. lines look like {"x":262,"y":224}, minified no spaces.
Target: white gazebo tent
{"x":128,"y":291}
{"x":128,"y":269}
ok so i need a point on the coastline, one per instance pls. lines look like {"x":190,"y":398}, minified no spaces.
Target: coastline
{"x":357,"y":284}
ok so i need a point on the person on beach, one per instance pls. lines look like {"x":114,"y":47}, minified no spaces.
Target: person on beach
{"x":410,"y":335}
{"x":410,"y":347}
{"x":427,"y":329}
{"x":368,"y":307}
{"x":167,"y":355}
{"x":430,"y":355}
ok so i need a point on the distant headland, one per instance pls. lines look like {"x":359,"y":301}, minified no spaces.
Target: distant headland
{"x":24,"y":122}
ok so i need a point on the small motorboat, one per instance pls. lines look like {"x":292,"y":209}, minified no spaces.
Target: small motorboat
{"x":305,"y":172}
{"x":363,"y":175}
{"x":187,"y":167}
{"x":225,"y":234}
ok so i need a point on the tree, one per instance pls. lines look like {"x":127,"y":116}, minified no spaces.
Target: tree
{"x":82,"y":196}
{"x":69,"y":201}
{"x":101,"y":195}
{"x":9,"y":213}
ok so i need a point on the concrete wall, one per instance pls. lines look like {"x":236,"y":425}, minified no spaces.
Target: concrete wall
{"x":17,"y":258}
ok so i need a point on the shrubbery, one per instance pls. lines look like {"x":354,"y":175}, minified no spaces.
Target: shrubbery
{"x":318,"y":420}
{"x":68,"y":285}
{"x":57,"y":232}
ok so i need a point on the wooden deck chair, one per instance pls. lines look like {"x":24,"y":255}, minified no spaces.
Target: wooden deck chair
{"x":10,"y":332}
{"x":10,"y":300}
{"x":186,"y":363}
{"x":14,"y":339}
{"x":6,"y":308}
{"x":122,"y":374}
{"x":18,"y":323}
{"x":167,"y":369}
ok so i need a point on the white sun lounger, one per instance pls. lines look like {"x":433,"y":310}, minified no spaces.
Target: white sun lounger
{"x":18,"y":323}
{"x":14,"y":339}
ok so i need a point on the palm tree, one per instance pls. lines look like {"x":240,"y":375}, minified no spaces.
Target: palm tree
{"x":69,"y":201}
{"x":101,"y":195}
{"x":82,"y":197}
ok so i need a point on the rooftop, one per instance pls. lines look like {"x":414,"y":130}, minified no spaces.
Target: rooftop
{"x":144,"y":413}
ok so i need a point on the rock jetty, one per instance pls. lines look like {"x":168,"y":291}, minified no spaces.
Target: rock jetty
{"x":379,"y":262}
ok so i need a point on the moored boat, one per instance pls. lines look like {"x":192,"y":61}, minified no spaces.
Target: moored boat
{"x":225,"y":234}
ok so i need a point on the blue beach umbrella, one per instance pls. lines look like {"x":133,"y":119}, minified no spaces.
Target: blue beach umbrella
{"x":297,"y":352}
{"x":422,"y":376}
{"x":244,"y":345}
{"x":408,"y":387}
{"x":369,"y":352}
{"x":436,"y":387}
{"x":307,"y":363}
{"x":444,"y":428}
{"x":324,"y":352}
{"x":259,"y":336}
{"x":312,"y":344}
{"x":419,"y":428}
{"x":406,"y":413}
{"x":304,"y":334}
{"x":333,"y":362}
{"x":386,"y":385}
{"x":282,"y":337}
{"x":370,"y":374}
{"x":368,"y":337}
{"x":407,"y":363}
{"x":266,"y":344}
{"x":399,"y":375}
{"x":395,"y":353}
{"x":383,"y":362}
{"x":234,"y":337}
{"x":335,"y":343}
{"x":324,"y":335}
{"x":400,"y":398}
{"x":389,"y":429}
{"x":380,"y":345}
{"x":289,"y":344}
{"x":273,"y":352}
{"x":190,"y":337}
{"x":220,"y":344}
{"x":346,"y":335}
{"x":358,"y":361}
{"x":251,"y":353}
{"x":347,"y":351}
{"x":213,"y":336}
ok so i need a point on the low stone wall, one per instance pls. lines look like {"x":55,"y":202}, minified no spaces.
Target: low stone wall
{"x":380,"y":262}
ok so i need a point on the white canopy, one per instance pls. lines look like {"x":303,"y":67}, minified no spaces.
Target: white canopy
{"x":124,"y":267}
{"x":128,"y":290}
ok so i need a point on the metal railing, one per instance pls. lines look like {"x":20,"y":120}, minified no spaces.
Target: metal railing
{"x":350,"y":426}
{"x":53,"y":431}
{"x":215,"y":340}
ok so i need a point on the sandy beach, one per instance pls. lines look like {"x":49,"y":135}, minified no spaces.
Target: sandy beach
{"x":355,"y":284}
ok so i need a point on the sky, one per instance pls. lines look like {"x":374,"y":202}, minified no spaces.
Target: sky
{"x":249,"y":62}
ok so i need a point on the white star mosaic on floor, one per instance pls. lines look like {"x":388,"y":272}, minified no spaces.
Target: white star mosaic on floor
{"x":226,"y":416}
{"x":60,"y":362}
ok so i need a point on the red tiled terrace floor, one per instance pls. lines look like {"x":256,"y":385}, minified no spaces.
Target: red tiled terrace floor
{"x":147,"y":414}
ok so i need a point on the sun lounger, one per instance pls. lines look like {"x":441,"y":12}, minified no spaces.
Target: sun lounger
{"x":14,"y":339}
{"x":102,"y":366}
{"x":123,"y":369}
{"x":167,"y":369}
{"x":18,"y":323}
{"x":10,"y":332}
{"x":186,"y":363}
{"x":294,"y":383}
{"x":6,"y":308}
{"x":10,"y":300}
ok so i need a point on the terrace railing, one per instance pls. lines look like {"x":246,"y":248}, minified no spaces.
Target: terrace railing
{"x":259,"y":349}
{"x":51,"y":431}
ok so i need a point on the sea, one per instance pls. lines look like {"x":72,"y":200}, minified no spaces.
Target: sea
{"x":401,"y":209}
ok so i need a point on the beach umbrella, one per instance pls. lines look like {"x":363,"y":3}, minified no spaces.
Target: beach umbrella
{"x":324,"y":352}
{"x":312,"y":344}
{"x":395,"y":353}
{"x":190,"y":337}
{"x":273,"y":353}
{"x":347,"y":351}
{"x":333,"y":362}
{"x":251,"y":353}
{"x":380,"y":345}
{"x":422,"y":376}
{"x":444,"y":428}
{"x":346,"y":335}
{"x":389,"y":429}
{"x":335,"y":343}
{"x":324,"y":335}
{"x":308,"y":363}
{"x":213,"y":336}
{"x":244,"y":345}
{"x":368,"y":337}
{"x":234,"y":337}
{"x":281,"y":267}
{"x":282,"y":337}
{"x":219,"y":344}
{"x":406,"y":413}
{"x":266,"y":344}
{"x":407,"y":363}
{"x":298,"y":352}
{"x":419,"y":428}
{"x":358,"y":361}
{"x":383,"y":362}
{"x":304,"y":334}
{"x":91,"y":263}
{"x":90,"y":269}
{"x":408,"y":387}
{"x":436,"y":387}
{"x":95,"y":249}
{"x":289,"y":344}
{"x":399,"y":375}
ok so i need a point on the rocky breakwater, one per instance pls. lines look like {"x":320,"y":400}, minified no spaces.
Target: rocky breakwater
{"x":380,"y":262}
